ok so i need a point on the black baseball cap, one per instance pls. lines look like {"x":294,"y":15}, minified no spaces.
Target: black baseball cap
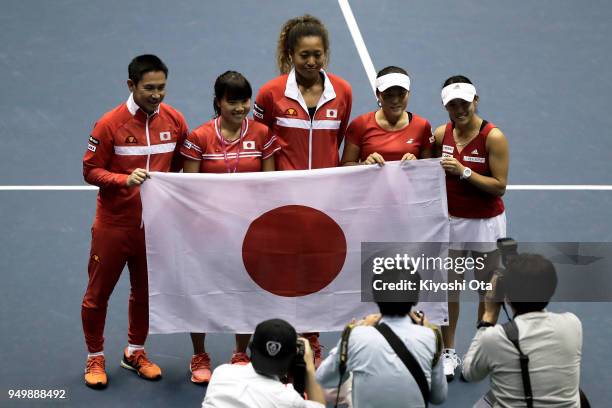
{"x":273,"y":347}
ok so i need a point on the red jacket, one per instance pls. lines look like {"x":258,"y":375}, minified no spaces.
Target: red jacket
{"x":245,"y":154}
{"x":306,"y":143}
{"x":122,"y":140}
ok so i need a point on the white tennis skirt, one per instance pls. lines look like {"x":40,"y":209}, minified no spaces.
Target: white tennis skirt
{"x":477,"y":234}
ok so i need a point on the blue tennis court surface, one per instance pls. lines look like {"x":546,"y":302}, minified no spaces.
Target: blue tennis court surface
{"x":541,"y":68}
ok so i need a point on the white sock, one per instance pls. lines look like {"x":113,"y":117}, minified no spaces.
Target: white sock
{"x":134,"y":347}
{"x":449,"y":351}
{"x":99,"y":353}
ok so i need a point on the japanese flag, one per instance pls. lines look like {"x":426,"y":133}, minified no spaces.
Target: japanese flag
{"x":227,"y":251}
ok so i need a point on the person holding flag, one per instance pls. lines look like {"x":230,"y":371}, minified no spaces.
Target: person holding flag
{"x":475,"y":157}
{"x":391,"y":132}
{"x":229,"y":143}
{"x":307,"y":108}
{"x":138,"y":136}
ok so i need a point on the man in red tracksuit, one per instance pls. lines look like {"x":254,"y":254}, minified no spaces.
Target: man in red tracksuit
{"x":136,"y":137}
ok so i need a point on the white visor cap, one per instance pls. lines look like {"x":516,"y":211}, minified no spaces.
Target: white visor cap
{"x":395,"y":79}
{"x":464,"y":91}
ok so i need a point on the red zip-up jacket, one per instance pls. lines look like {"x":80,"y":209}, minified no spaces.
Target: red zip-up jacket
{"x":122,"y":140}
{"x":306,"y":143}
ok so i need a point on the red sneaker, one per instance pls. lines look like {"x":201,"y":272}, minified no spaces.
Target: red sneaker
{"x":200,"y":369}
{"x":240,"y":358}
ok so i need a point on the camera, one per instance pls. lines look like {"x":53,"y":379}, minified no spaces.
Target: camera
{"x":297,"y":369}
{"x":508,"y":249}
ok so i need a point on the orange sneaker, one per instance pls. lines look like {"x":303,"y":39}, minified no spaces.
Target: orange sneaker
{"x":95,"y":375}
{"x":313,"y":339}
{"x":139,"y":363}
{"x":200,"y":368}
{"x":240,"y":358}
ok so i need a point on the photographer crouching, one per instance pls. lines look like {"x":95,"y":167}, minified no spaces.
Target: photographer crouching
{"x":276,"y":351}
{"x":534,"y":359}
{"x":394,"y":356}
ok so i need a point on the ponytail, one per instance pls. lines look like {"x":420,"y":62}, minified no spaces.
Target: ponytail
{"x":291,"y":32}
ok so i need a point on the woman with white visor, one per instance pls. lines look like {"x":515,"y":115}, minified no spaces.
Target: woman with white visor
{"x":391,"y":132}
{"x":475,"y":157}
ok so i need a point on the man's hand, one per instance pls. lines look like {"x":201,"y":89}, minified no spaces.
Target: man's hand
{"x":308,"y":354}
{"x":137,"y":177}
{"x":313,"y":389}
{"x":369,"y":320}
{"x":419,"y":318}
{"x":491,"y":306}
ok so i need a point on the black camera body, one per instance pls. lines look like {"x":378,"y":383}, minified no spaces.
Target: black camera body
{"x":508,"y":249}
{"x":297,"y":369}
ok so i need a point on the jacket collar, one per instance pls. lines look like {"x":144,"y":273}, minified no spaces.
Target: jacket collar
{"x":293,"y":91}
{"x":133,"y":106}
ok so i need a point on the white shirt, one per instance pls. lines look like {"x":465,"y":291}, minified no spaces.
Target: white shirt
{"x":380,"y":378}
{"x":239,"y":386}
{"x":553,"y":343}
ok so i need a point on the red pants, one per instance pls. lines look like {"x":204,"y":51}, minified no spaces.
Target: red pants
{"x":111,"y":248}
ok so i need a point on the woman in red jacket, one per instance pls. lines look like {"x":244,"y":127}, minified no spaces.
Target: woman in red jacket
{"x":307,"y":108}
{"x":475,"y":157}
{"x":229,"y":143}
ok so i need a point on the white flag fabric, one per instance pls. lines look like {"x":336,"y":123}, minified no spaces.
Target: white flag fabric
{"x":227,"y":251}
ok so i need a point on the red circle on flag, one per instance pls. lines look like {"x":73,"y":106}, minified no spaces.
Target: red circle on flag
{"x":293,"y":250}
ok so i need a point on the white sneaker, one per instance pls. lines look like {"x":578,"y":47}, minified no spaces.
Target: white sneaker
{"x":450,"y":361}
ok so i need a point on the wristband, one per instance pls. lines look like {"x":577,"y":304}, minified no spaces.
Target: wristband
{"x":484,"y":323}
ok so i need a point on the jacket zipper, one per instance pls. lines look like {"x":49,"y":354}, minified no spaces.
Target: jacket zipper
{"x":148,"y":157}
{"x":310,"y":141}
{"x":148,"y":142}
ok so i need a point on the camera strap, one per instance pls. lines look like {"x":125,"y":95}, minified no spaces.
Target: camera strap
{"x":407,"y":358}
{"x":343,"y":355}
{"x":343,"y":358}
{"x":512,"y":332}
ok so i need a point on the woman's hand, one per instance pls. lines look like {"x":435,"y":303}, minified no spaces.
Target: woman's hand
{"x":408,"y":156}
{"x":375,"y":158}
{"x":452,"y":166}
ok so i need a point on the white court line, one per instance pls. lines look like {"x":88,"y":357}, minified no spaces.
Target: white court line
{"x":359,"y":43}
{"x":560,"y":187}
{"x":515,"y":187}
{"x":371,"y":73}
{"x":47,"y":188}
